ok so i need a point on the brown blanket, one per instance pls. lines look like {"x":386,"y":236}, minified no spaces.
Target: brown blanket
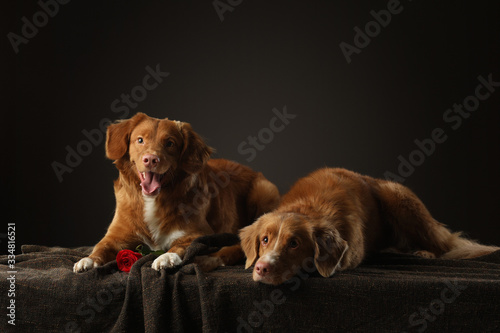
{"x":388,"y":293}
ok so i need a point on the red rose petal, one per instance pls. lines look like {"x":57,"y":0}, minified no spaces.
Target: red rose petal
{"x":126,"y":258}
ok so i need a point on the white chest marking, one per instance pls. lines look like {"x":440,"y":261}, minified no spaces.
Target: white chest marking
{"x":161,"y":241}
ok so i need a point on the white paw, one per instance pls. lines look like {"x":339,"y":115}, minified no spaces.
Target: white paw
{"x":84,"y":265}
{"x":166,"y":260}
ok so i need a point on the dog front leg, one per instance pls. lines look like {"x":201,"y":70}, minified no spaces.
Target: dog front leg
{"x":175,"y":254}
{"x":106,"y":250}
{"x":226,"y":256}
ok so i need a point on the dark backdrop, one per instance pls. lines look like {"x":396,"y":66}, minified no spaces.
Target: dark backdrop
{"x":226,"y":77}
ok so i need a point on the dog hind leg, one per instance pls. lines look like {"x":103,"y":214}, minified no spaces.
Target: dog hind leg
{"x":262,"y":198}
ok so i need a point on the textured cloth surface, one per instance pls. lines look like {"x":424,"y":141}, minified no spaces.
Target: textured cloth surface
{"x":388,"y":293}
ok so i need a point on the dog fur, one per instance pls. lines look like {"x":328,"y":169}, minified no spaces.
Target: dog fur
{"x":336,"y":217}
{"x":169,"y":192}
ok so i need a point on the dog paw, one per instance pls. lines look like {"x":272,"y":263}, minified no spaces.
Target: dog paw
{"x":166,"y":260}
{"x":208,"y":263}
{"x":425,"y":254}
{"x":84,"y":265}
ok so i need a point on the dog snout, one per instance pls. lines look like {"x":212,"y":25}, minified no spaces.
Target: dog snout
{"x":263,"y":268}
{"x":150,"y":161}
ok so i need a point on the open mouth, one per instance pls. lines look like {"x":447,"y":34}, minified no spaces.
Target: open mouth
{"x":151,"y":182}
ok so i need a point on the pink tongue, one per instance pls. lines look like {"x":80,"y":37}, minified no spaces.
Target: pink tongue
{"x":151,"y":182}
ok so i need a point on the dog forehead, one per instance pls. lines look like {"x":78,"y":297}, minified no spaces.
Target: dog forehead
{"x":293,"y":221}
{"x":278,"y":231}
{"x":288,"y":232}
{"x":157,"y":129}
{"x":269,"y":223}
{"x":270,"y":230}
{"x":295,"y":226}
{"x":146,"y":126}
{"x":171,"y":126}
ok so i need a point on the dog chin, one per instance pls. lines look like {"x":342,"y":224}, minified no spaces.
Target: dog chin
{"x":272,"y":280}
{"x":152,"y":194}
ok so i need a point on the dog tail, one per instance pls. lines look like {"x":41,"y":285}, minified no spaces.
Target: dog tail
{"x":462,"y":248}
{"x":414,"y":227}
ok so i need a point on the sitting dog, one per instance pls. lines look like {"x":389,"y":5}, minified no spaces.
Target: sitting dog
{"x":168,"y":193}
{"x":335,"y":217}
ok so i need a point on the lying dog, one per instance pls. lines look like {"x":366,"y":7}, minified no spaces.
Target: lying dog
{"x":168,"y":193}
{"x":335,"y":217}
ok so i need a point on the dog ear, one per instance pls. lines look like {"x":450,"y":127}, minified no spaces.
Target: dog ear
{"x":195,"y":153}
{"x":250,"y":241}
{"x":330,"y":249}
{"x":118,"y":136}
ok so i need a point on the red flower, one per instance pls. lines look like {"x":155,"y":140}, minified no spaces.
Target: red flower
{"x":126,"y":258}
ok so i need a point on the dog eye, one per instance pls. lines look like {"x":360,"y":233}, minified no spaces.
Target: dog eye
{"x":170,"y":143}
{"x":294,"y":244}
{"x":140,"y":140}
{"x":265,"y":240}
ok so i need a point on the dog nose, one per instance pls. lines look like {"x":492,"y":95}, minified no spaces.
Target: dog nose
{"x":263,"y":268}
{"x":150,"y":160}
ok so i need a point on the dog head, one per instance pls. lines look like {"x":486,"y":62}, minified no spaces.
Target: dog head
{"x":154,"y":150}
{"x":280,"y":244}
